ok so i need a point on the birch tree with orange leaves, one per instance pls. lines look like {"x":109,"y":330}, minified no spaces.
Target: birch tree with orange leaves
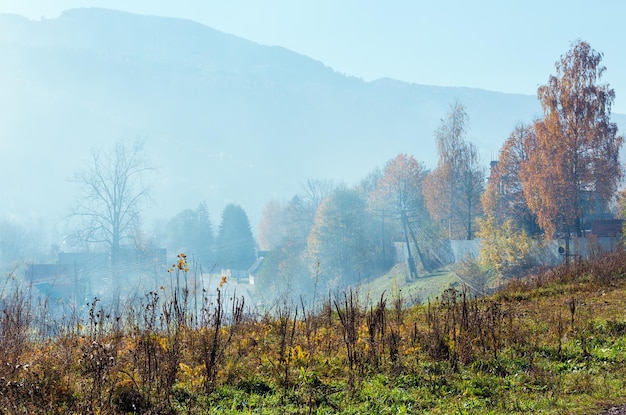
{"x":573,"y":167}
{"x":399,"y":192}
{"x":454,"y":188}
{"x":504,"y":196}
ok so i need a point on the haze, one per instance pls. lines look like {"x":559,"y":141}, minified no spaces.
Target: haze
{"x":494,"y":45}
{"x":229,"y":118}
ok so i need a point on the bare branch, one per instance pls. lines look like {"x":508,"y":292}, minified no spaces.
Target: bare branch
{"x":113,"y":192}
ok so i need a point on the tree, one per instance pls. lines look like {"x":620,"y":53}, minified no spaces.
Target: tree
{"x":339,"y":241}
{"x":367,"y":185}
{"x":298,"y":222}
{"x":503,"y":247}
{"x":400,"y":195}
{"x":285,"y":269}
{"x":504,"y":197}
{"x":19,"y":242}
{"x":112,"y":194}
{"x":286,"y":274}
{"x":13,"y":238}
{"x":235,"y":243}
{"x":454,"y":188}
{"x":271,"y":229}
{"x":314,"y":191}
{"x":382,"y":226}
{"x":573,"y":164}
{"x":191,"y":232}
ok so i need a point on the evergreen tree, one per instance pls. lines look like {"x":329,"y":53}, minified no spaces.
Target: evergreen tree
{"x":235,"y":243}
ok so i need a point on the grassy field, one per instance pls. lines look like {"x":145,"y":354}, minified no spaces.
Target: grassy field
{"x":553,"y":343}
{"x":418,"y":290}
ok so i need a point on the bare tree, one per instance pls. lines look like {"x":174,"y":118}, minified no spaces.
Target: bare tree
{"x":316,"y":190}
{"x":19,"y":242}
{"x":113,"y":191}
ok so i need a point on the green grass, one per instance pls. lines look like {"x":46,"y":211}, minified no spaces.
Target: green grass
{"x":397,"y":281}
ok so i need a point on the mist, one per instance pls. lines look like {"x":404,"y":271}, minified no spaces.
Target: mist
{"x":224,"y":121}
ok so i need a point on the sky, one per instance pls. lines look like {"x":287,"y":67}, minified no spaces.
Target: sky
{"x":498,"y":45}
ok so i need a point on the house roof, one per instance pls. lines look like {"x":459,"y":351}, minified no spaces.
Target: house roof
{"x":256,"y":266}
{"x":48,"y":272}
{"x":607,"y":227}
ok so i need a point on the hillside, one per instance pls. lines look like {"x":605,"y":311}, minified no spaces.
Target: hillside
{"x":224,"y":119}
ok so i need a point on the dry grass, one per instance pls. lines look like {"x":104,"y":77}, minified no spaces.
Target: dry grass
{"x":551,"y":343}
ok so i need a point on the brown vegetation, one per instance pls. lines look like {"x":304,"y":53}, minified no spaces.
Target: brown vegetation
{"x":160,"y":357}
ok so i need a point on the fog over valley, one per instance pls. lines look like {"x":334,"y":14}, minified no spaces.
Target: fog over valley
{"x":136,"y":138}
{"x":346,"y":207}
{"x":224,"y":119}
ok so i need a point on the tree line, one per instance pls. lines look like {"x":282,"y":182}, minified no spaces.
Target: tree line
{"x":107,"y":216}
{"x":552,"y":177}
{"x":331,"y":235}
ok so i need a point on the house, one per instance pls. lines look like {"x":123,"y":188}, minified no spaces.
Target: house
{"x":38,"y":273}
{"x":61,"y":285}
{"x":88,"y":261}
{"x":77,"y":276}
{"x":253,"y":271}
{"x":611,"y":228}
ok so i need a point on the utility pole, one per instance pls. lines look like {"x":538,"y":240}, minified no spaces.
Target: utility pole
{"x":382,"y":235}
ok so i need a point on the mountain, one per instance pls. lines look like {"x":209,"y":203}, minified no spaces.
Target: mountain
{"x":224,"y":119}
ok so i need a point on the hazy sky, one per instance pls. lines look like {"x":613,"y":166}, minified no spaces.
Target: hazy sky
{"x":508,"y":46}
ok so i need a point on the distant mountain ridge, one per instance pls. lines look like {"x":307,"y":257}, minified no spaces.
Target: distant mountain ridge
{"x":224,"y":119}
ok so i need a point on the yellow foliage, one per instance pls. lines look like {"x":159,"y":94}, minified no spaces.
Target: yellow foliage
{"x":181,"y":265}
{"x":299,"y":355}
{"x":191,"y":376}
{"x":502,"y":247}
{"x":164,"y":342}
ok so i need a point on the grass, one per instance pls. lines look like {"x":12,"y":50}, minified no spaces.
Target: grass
{"x":397,"y":281}
{"x":551,"y":343}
